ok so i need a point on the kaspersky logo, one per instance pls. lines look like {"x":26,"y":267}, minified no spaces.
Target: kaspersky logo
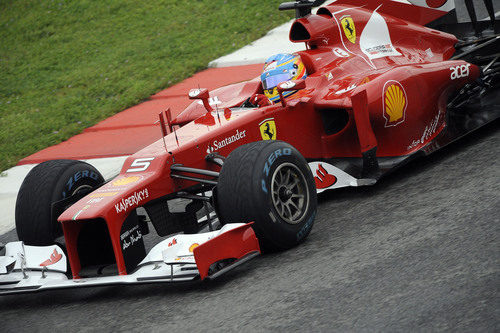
{"x":54,"y":257}
{"x":394,"y":103}
{"x":349,"y":28}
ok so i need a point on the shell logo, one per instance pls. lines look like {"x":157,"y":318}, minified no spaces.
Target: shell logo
{"x":394,"y":103}
{"x":126,"y":180}
{"x":193,"y":246}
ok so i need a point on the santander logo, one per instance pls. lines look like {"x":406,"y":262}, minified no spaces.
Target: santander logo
{"x":323,"y":179}
{"x":54,"y":257}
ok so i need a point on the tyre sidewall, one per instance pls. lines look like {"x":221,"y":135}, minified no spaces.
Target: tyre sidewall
{"x":40,"y":189}
{"x":73,"y":178}
{"x":70,"y":181}
{"x":267,"y":220}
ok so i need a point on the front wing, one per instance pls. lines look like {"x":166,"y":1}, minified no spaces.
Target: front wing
{"x":179,"y":258}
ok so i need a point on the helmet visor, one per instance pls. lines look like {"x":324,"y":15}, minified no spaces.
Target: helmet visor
{"x":273,"y":80}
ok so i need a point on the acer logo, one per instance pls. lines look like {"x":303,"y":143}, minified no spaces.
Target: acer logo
{"x":54,"y":257}
{"x":460,"y":71}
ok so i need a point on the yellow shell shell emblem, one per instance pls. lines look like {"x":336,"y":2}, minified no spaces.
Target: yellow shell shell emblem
{"x":126,"y":180}
{"x":395,"y":103}
{"x":268,"y":129}
{"x":349,"y":28}
{"x":193,"y":246}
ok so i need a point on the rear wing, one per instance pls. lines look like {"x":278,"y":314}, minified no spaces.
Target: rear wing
{"x":458,"y":20}
{"x":420,"y":12}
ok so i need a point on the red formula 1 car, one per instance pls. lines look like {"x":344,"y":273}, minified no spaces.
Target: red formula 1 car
{"x":228,"y":179}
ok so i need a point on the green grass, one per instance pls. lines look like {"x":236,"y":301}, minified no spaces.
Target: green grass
{"x":66,"y":65}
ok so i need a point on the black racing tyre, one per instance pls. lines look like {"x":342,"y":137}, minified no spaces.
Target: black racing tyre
{"x":45,"y":184}
{"x":270,"y":183}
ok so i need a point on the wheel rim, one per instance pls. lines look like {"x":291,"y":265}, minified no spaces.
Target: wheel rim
{"x":289,"y":193}
{"x":81,"y":188}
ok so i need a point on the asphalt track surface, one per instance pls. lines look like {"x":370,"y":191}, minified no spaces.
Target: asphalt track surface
{"x":419,"y":251}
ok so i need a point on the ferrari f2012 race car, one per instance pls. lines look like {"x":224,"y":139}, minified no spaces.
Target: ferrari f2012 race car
{"x":231,"y":176}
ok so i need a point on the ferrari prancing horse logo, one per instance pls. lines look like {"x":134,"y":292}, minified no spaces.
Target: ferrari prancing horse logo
{"x":349,"y":28}
{"x":268,"y":129}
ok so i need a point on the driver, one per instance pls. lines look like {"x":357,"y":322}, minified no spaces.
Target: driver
{"x":278,"y":68}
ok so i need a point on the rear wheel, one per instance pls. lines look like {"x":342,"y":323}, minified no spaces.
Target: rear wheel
{"x":269,"y":183}
{"x":45,"y":184}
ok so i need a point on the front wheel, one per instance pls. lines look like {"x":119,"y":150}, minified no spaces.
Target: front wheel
{"x":269,"y":183}
{"x":45,"y":184}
